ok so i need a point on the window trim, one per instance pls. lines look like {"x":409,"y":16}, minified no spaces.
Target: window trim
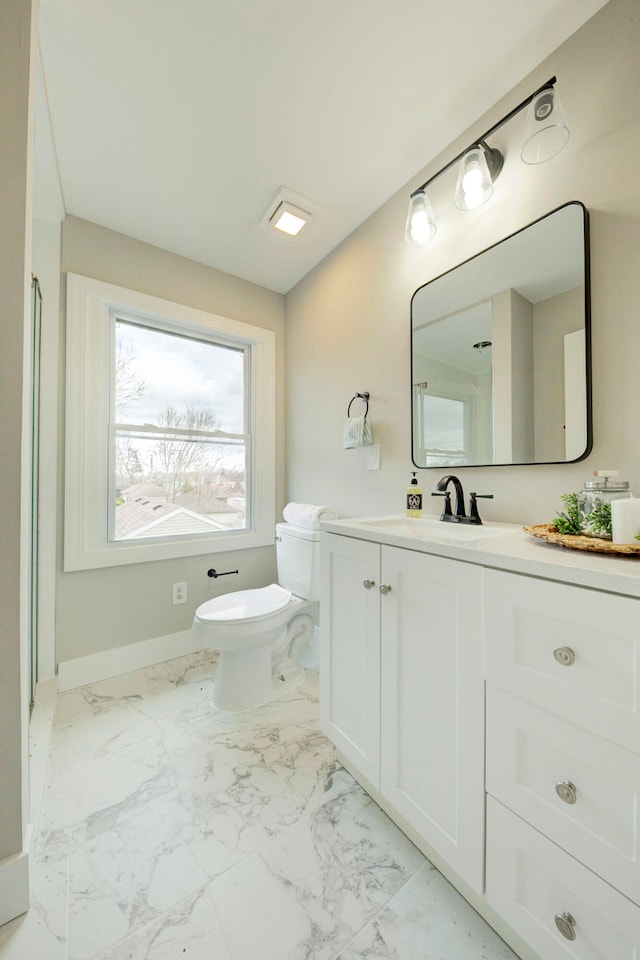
{"x":90,"y":305}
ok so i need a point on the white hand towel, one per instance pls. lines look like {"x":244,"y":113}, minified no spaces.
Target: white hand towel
{"x":357,"y":432}
{"x":307,"y":515}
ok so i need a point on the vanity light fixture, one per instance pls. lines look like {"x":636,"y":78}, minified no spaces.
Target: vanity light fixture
{"x":481,"y":361}
{"x":546,"y":133}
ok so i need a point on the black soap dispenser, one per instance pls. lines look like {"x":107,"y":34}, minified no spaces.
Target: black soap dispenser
{"x":414,"y":498}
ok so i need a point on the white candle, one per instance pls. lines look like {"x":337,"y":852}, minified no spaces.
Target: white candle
{"x":625,"y":520}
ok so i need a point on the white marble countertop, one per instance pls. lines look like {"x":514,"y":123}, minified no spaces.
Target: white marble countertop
{"x":503,"y":546}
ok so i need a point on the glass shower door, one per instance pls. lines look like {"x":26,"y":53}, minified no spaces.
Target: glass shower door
{"x":34,"y":417}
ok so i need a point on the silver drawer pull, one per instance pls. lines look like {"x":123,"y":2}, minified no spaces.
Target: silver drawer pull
{"x":367,"y":584}
{"x":565,"y":656}
{"x":385,"y":588}
{"x":566,"y":925}
{"x":567,"y":791}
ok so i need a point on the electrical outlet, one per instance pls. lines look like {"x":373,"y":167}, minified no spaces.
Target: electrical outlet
{"x":373,"y":456}
{"x":179,"y":593}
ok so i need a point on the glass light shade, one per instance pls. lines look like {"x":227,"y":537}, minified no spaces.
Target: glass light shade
{"x":482,"y":356}
{"x":546,"y":131}
{"x":421,"y":225}
{"x":474,"y":186}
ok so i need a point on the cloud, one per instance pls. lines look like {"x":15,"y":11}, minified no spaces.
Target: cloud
{"x":179,"y":371}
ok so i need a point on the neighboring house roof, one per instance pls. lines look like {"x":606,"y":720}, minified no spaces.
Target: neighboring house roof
{"x":135,"y":513}
{"x":235,"y":490}
{"x":143,"y":490}
{"x":144,"y":516}
{"x":203,"y":501}
{"x":211,"y":497}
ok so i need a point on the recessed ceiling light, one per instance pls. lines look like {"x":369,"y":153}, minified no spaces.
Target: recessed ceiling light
{"x":288,"y":213}
{"x":289,"y":218}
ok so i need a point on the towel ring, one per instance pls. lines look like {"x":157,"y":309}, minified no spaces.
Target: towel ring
{"x":360,"y":396}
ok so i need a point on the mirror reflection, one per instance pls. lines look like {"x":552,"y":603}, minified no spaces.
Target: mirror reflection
{"x":500,"y":352}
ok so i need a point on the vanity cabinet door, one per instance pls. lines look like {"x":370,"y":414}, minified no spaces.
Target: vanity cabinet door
{"x":350,"y":651}
{"x":432,"y":703}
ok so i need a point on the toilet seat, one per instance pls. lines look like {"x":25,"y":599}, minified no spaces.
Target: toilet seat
{"x":244,"y":605}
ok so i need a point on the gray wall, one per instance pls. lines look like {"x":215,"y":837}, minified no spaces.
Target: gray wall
{"x":101,"y":609}
{"x":348,"y":320}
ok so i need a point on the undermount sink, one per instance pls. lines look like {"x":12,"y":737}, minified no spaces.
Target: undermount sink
{"x":431,"y":528}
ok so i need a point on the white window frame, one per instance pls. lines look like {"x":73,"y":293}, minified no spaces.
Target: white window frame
{"x":90,"y":306}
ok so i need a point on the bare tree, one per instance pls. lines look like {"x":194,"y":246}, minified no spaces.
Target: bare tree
{"x":129,"y":467}
{"x":130,"y":385}
{"x":130,"y":381}
{"x":177,"y":464}
{"x":180,"y":459}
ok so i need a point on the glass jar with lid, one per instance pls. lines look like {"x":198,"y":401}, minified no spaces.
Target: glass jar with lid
{"x":594,"y":502}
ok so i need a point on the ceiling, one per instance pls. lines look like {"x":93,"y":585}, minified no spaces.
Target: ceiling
{"x":177,"y":123}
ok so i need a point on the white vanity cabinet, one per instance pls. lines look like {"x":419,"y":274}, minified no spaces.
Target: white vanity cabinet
{"x":563,"y":765}
{"x":488,"y":625}
{"x":402,"y":693}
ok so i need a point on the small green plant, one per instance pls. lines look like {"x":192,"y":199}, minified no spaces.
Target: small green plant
{"x":599,"y":520}
{"x":568,"y":520}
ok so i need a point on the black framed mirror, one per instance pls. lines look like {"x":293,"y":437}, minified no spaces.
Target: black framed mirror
{"x":500,"y":351}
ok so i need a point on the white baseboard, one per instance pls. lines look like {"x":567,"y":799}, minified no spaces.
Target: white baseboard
{"x":14,"y":884}
{"x":133,"y":656}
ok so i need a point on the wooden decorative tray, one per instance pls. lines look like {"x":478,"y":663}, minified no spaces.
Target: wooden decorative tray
{"x":546,"y":531}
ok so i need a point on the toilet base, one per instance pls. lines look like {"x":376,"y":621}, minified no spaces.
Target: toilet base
{"x":244,"y":681}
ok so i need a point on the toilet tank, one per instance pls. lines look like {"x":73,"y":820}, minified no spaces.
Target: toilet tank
{"x":298,"y":555}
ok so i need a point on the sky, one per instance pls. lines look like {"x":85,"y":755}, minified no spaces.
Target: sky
{"x":178,"y":371}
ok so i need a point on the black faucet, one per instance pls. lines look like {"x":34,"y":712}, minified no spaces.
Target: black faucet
{"x":459,"y":516}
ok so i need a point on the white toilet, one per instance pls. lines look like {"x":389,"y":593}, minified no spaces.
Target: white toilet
{"x":260,"y":633}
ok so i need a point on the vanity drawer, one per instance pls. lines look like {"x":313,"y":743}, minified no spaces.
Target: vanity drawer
{"x":573,"y":651}
{"x":535,"y":759}
{"x":531,"y":882}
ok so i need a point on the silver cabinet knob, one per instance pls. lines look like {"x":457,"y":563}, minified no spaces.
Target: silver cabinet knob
{"x":367,"y":584}
{"x":565,"y":656}
{"x":567,"y":791}
{"x":385,"y":588}
{"x":566,"y":925}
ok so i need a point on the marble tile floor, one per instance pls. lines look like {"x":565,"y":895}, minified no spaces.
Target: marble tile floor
{"x":171,"y":830}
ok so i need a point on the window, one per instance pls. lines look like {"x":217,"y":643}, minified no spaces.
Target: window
{"x":445,"y":421}
{"x":178,"y":439}
{"x":170,"y":433}
{"x":444,"y":414}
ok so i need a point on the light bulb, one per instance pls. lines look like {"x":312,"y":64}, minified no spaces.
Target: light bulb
{"x":474,"y":185}
{"x":421,"y":226}
{"x":472,"y":179}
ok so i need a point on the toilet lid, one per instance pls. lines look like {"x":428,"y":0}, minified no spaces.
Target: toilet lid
{"x":245,"y":604}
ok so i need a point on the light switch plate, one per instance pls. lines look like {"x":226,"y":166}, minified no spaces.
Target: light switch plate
{"x":373,"y":456}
